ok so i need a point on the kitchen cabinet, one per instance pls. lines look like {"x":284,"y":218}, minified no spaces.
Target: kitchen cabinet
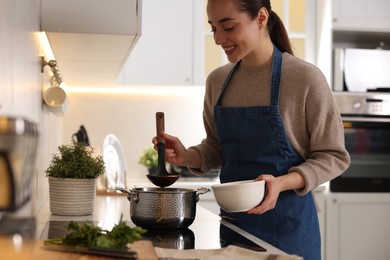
{"x":357,"y":226}
{"x":177,"y":48}
{"x":164,"y":54}
{"x":320,"y":198}
{"x":357,"y":24}
{"x":360,"y":15}
{"x":91,"y":39}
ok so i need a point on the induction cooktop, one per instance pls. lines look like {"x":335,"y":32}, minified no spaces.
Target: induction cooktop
{"x":166,"y":238}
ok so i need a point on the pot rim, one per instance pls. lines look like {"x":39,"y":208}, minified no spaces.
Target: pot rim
{"x":154,"y":190}
{"x":162,"y":190}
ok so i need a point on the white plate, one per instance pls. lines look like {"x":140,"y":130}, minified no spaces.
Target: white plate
{"x":114,"y":162}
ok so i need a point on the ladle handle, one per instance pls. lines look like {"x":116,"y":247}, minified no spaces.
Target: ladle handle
{"x":160,"y":126}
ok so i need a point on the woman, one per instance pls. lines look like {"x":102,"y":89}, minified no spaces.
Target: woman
{"x":268,"y":116}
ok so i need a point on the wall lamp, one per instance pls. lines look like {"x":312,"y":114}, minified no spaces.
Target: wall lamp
{"x":55,"y":96}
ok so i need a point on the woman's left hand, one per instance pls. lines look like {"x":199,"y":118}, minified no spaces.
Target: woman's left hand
{"x":273,"y":188}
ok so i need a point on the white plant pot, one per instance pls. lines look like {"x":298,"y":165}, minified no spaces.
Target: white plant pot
{"x":72,"y":197}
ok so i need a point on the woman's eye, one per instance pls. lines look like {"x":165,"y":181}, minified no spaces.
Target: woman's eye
{"x":226,"y":29}
{"x":231,"y":28}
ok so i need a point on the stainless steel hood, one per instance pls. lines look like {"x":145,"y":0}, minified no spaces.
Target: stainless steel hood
{"x":91,"y":39}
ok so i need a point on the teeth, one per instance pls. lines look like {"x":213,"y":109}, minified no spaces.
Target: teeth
{"x":228,"y":48}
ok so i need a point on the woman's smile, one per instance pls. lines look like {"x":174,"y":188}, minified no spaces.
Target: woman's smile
{"x":229,"y":50}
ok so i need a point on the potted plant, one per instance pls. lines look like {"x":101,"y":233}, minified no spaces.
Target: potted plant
{"x":72,"y":175}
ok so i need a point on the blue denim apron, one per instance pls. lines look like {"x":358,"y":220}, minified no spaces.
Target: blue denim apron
{"x":254,"y":141}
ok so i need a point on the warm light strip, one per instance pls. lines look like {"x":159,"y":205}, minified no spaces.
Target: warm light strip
{"x":49,"y":55}
{"x":141,"y":90}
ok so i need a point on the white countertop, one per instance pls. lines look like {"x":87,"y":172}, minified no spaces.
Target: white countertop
{"x":108,"y":210}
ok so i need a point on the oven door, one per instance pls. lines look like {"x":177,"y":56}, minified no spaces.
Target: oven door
{"x":367,"y":139}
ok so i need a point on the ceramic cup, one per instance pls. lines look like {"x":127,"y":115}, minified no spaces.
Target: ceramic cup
{"x":56,"y":100}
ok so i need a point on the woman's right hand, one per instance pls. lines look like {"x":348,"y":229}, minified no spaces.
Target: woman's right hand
{"x":175,"y":152}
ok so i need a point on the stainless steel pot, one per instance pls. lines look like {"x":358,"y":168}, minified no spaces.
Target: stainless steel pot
{"x":163,"y":207}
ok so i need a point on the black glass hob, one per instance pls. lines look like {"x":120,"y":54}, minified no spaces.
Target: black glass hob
{"x":167,"y":238}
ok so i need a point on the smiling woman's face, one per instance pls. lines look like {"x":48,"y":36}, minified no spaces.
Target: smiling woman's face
{"x":233,"y":29}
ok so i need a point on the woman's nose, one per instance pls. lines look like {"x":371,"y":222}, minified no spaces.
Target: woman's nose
{"x":219,"y":38}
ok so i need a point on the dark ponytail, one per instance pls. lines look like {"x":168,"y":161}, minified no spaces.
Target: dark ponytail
{"x":276,"y":29}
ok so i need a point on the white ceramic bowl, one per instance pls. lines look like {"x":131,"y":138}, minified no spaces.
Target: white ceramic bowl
{"x":239,"y":196}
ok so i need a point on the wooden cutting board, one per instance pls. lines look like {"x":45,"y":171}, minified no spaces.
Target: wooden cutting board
{"x":34,"y":250}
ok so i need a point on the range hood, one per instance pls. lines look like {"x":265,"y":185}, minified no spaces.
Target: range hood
{"x":91,"y":39}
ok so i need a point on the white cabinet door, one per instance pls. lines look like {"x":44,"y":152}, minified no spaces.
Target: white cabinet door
{"x":361,"y":15}
{"x":357,"y":226}
{"x":164,"y":52}
{"x":320,"y":198}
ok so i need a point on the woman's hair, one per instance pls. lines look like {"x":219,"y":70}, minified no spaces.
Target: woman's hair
{"x":275,"y":26}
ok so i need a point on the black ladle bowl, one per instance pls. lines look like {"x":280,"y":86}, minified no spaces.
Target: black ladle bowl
{"x":161,"y":177}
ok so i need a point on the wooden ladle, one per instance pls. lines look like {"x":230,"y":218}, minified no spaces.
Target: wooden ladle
{"x":161,"y":177}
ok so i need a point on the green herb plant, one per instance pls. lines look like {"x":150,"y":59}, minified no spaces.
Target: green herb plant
{"x":89,"y":235}
{"x":75,"y":161}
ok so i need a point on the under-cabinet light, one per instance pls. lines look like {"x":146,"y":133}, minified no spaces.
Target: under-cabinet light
{"x":141,"y":90}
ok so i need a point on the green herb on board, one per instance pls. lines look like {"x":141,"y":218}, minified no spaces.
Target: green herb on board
{"x":89,"y":235}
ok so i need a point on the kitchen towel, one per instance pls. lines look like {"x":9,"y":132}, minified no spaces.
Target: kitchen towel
{"x":229,"y":252}
{"x":366,"y":69}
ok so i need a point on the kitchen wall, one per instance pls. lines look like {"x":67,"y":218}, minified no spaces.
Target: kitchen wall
{"x":21,"y":82}
{"x":128,"y":112}
{"x":129,"y":115}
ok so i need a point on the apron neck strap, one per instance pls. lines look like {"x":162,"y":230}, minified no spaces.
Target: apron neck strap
{"x":276,"y":72}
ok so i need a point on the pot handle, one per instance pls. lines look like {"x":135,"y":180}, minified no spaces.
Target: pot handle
{"x":129,"y":193}
{"x":201,"y":191}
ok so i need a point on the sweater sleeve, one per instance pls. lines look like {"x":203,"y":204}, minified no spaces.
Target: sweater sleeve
{"x":209,"y":149}
{"x":326,"y":156}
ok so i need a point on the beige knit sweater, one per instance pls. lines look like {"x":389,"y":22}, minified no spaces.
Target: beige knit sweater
{"x":312,"y":121}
